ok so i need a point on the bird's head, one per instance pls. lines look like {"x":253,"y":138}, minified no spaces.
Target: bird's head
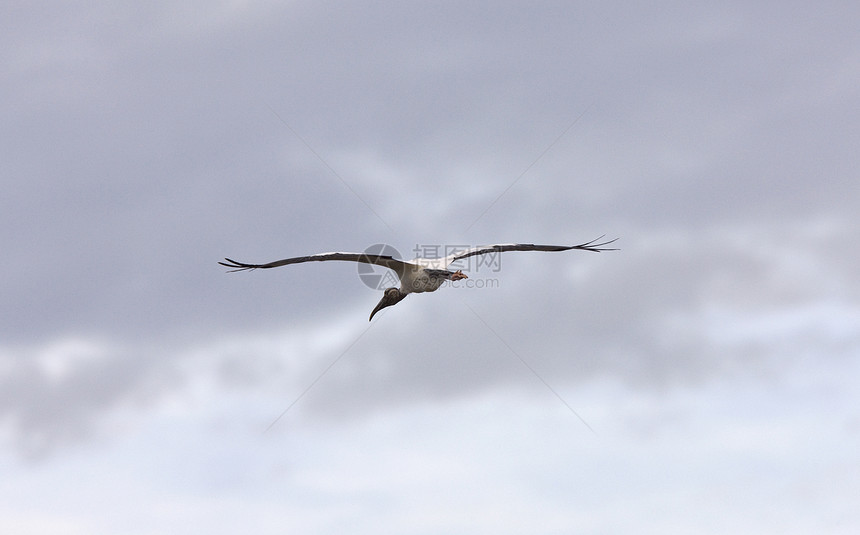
{"x":392,"y":296}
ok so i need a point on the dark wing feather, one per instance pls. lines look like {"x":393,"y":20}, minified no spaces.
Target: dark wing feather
{"x":595,"y":246}
{"x":380,"y":260}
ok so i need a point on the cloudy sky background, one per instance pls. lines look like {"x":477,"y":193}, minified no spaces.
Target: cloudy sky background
{"x":715,"y":356}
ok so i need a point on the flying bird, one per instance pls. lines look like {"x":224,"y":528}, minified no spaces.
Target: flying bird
{"x":421,"y":274}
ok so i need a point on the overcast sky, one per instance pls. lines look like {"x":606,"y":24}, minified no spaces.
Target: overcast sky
{"x":702,"y":379}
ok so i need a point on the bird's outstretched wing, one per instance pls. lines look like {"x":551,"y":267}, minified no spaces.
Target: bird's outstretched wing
{"x":595,"y":246}
{"x":380,"y":260}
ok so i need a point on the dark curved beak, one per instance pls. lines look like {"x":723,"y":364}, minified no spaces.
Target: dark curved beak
{"x":390,"y":298}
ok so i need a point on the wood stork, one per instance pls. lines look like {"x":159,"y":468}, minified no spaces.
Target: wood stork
{"x":420,"y":274}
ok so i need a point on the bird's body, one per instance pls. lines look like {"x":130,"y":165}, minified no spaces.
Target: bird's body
{"x":420,"y":274}
{"x":418,"y":280}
